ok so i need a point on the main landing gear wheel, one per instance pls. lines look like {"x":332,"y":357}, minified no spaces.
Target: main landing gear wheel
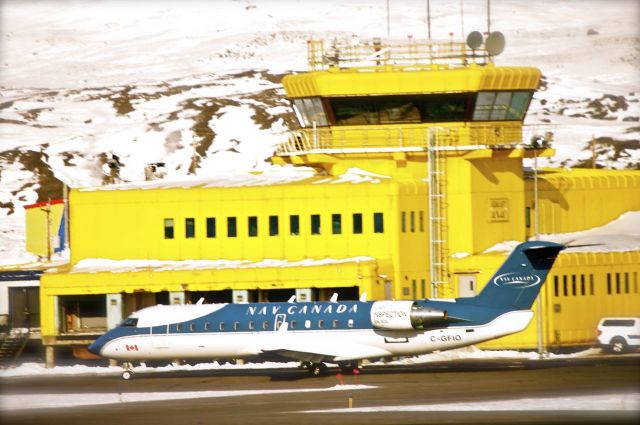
{"x":318,"y":369}
{"x":128,"y":371}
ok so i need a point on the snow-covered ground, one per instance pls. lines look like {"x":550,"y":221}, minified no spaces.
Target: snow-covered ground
{"x":195,"y":85}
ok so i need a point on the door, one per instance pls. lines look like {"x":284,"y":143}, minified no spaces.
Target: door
{"x":280,"y":319}
{"x":467,"y":285}
{"x":24,"y":307}
{"x":160,"y":336}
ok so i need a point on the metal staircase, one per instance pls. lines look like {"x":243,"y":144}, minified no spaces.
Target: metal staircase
{"x":13,"y":344}
{"x":437,"y":139}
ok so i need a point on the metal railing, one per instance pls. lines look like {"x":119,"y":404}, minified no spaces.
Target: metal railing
{"x":374,"y":53}
{"x":407,"y":138}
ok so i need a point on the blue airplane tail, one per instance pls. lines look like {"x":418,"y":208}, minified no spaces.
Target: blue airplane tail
{"x":517,"y":282}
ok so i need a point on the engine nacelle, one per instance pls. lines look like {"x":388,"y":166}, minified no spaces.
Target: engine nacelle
{"x":404,"y":315}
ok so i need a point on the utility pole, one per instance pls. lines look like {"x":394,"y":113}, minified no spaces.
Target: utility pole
{"x":388,"y":22}
{"x":429,"y":19}
{"x":47,"y":211}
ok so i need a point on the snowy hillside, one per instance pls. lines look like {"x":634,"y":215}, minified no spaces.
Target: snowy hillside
{"x":195,"y":85}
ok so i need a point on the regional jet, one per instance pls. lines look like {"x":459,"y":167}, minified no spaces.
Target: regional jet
{"x":339,"y":332}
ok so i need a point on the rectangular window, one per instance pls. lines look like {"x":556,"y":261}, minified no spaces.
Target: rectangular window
{"x":403,"y":221}
{"x":608,"y":283}
{"x":168,"y":228}
{"x":617,"y":283}
{"x":189,"y":228}
{"x":378,"y":223}
{"x":527,"y":217}
{"x":273,"y":225}
{"x":421,"y":220}
{"x":626,"y":282}
{"x":315,"y":224}
{"x":336,"y":224}
{"x":414,"y":289}
{"x":635,"y":282}
{"x":423,"y":284}
{"x":357,"y":223}
{"x":252,"y":226}
{"x":211,"y":227}
{"x":573,"y":285}
{"x":591,"y":288}
{"x":582,"y":285}
{"x":232,"y":227}
{"x":413,"y":221}
{"x":294,"y":225}
{"x":556,"y":289}
{"x":565,"y":290}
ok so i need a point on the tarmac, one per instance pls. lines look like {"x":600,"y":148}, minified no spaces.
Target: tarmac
{"x":441,"y":392}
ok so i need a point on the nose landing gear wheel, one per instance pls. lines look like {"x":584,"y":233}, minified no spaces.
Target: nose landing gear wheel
{"x":127,"y":374}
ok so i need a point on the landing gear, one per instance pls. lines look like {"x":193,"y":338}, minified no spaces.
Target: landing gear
{"x":317,"y":369}
{"x":349,"y":368}
{"x":128,"y":371}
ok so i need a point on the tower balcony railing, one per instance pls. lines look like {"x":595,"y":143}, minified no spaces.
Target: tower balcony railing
{"x":394,"y":138}
{"x":375,"y":53}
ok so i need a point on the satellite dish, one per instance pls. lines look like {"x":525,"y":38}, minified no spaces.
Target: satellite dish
{"x":495,"y":43}
{"x":475,"y":39}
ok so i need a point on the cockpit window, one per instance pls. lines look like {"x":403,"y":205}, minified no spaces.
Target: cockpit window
{"x":129,"y":322}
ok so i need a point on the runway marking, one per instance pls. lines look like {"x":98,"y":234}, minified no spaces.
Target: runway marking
{"x":62,"y":400}
{"x":625,"y":401}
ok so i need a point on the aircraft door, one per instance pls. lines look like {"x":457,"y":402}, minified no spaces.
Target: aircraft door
{"x":160,"y":336}
{"x":280,"y":319}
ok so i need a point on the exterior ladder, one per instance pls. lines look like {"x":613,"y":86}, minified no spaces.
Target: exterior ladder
{"x":438,"y":227}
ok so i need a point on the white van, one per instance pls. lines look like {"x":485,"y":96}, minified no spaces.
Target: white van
{"x":619,"y":334}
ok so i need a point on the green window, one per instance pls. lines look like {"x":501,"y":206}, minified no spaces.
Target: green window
{"x":273,"y":225}
{"x":232,"y":227}
{"x":294,"y":225}
{"x":211,"y":227}
{"x":357,"y":223}
{"x":336,"y":224}
{"x":189,"y":228}
{"x":378,"y":222}
{"x":168,"y":228}
{"x":252,"y":223}
{"x":315,"y":224}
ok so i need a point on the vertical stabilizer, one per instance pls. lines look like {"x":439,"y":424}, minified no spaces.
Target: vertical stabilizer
{"x":517,"y":282}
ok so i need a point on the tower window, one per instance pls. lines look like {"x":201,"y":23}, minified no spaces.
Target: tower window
{"x":189,"y":228}
{"x":315,"y":224}
{"x":232,"y":227}
{"x":336,"y":224}
{"x":211,"y":227}
{"x":252,"y":223}
{"x":357,"y":223}
{"x":273,"y":225}
{"x":413,"y":221}
{"x":378,"y":222}
{"x":403,"y":221}
{"x":294,"y":225}
{"x":168,"y":228}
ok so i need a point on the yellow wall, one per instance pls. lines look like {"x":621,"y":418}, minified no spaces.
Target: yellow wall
{"x":578,"y":199}
{"x":36,"y":227}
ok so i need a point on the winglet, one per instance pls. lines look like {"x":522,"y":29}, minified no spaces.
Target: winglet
{"x":283,"y":327}
{"x":334,"y":298}
{"x":200,"y":301}
{"x":363,"y":297}
{"x":292,"y":299}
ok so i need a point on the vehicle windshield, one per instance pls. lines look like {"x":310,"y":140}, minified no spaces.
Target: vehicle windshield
{"x":129,"y":322}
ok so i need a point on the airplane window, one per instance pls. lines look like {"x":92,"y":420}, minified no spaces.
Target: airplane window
{"x":178,"y":327}
{"x":350,"y":323}
{"x":292,"y":324}
{"x":207,"y":326}
{"x":252,"y":326}
{"x":236,"y":326}
{"x":307,"y":324}
{"x":221,"y":326}
{"x":335,"y":323}
{"x":129,"y":322}
{"x":321,"y":323}
{"x":265,"y":325}
{"x":192,"y":327}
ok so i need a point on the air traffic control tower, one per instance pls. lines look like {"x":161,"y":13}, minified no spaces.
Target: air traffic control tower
{"x":439,"y":118}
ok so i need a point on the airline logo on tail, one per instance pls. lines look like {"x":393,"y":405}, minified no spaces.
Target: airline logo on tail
{"x":514,"y":280}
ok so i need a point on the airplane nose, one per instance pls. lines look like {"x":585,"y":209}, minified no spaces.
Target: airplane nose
{"x":97,"y":345}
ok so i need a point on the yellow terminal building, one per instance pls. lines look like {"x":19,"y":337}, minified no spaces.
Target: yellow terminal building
{"x":407,"y":167}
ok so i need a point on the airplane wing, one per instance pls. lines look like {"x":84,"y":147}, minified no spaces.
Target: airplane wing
{"x":318,"y":352}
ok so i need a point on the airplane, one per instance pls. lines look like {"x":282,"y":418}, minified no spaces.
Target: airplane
{"x":339,"y":332}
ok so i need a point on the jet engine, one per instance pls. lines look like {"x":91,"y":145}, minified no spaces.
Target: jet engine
{"x":404,"y":315}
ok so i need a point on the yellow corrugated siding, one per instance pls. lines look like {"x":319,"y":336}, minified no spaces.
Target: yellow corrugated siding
{"x":437,"y":80}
